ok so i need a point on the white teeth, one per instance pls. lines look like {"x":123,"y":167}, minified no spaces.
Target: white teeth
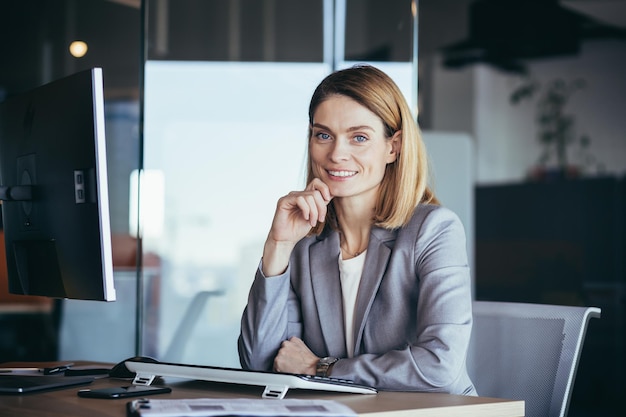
{"x":342,"y":173}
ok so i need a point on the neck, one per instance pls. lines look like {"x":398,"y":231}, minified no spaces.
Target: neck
{"x":354,"y":213}
{"x":353,"y":239}
{"x":354,"y":218}
{"x":349,"y":255}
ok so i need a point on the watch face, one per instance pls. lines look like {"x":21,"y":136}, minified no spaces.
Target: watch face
{"x":329,"y":360}
{"x":324,"y":364}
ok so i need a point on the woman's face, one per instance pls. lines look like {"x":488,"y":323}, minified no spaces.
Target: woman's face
{"x":348,"y":147}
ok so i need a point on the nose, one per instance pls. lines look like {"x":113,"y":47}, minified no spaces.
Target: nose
{"x":340,"y":151}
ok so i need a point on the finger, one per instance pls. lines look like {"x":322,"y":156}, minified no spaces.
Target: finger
{"x":322,"y":206}
{"x":315,"y":207}
{"x":301,"y":346}
{"x":307,"y":208}
{"x":318,"y":185}
{"x":304,"y":207}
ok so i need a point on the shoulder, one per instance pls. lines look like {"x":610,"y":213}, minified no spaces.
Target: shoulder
{"x":432,"y":215}
{"x":428,"y":224}
{"x":433,"y":229}
{"x":429,"y":219}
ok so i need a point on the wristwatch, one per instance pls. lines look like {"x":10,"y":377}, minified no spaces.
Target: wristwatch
{"x":324,"y":365}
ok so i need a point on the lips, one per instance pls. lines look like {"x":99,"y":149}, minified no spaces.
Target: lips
{"x":341,"y":174}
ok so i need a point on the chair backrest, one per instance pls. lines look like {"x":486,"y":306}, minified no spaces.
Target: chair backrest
{"x":528,"y":352}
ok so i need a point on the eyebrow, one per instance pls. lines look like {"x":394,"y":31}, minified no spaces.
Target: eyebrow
{"x":350,"y":129}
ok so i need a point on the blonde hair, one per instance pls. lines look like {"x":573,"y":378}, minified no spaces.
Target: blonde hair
{"x":405,"y":183}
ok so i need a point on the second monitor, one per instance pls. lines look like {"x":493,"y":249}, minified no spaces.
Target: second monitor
{"x":54,"y":190}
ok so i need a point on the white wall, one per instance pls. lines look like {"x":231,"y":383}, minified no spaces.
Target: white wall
{"x":453,"y":178}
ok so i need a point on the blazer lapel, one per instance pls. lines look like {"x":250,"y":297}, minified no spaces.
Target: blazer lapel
{"x":377,"y":258}
{"x":326,"y":285}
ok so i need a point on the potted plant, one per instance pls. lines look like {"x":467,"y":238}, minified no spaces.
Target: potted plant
{"x":555,"y":128}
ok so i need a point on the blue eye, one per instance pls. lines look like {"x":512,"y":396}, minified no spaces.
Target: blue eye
{"x":323,"y":136}
{"x":360,"y":139}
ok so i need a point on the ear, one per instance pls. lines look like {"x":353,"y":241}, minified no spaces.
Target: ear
{"x":395,"y":144}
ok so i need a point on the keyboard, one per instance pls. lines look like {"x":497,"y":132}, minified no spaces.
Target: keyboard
{"x":276,"y":384}
{"x":334,"y":381}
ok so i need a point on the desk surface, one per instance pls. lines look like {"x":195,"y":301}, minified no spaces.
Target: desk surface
{"x":65,"y":403}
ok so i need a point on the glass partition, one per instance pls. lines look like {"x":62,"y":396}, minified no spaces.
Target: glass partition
{"x":35,"y":45}
{"x":227,"y":86}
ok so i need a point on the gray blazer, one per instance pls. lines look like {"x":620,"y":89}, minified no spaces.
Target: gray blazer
{"x":413,"y":314}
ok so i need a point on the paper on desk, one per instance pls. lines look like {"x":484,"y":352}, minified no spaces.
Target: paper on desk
{"x":239,"y":407}
{"x":20,"y":371}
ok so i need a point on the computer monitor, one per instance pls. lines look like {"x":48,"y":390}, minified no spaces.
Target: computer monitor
{"x":54,"y":190}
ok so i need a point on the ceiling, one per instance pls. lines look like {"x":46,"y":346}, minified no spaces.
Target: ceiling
{"x":20,"y":43}
{"x":612,"y":12}
{"x":506,"y":34}
{"x":132,"y":3}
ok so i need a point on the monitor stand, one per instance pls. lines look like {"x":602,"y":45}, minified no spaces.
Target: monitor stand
{"x":35,"y":259}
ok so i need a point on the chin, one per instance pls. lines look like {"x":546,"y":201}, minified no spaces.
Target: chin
{"x":338,"y":192}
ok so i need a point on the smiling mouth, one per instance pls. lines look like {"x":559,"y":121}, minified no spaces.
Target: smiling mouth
{"x":341,"y":174}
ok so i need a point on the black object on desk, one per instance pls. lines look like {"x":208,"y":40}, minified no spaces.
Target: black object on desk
{"x":21,"y":384}
{"x":57,"y":369}
{"x":123,"y":392}
{"x":87,"y":371}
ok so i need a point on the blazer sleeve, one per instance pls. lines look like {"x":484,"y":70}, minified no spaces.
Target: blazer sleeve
{"x":271,"y":316}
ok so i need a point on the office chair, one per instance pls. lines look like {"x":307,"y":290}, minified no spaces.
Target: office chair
{"x":528,"y":352}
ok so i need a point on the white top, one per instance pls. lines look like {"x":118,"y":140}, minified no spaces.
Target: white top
{"x":350,"y":272}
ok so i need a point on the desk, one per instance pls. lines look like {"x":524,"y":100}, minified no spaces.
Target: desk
{"x":65,"y":403}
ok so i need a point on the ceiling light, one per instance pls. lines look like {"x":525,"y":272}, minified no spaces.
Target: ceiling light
{"x":78,"y":49}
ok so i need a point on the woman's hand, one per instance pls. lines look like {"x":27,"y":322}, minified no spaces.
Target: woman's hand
{"x":295,"y":357}
{"x":296,"y":213}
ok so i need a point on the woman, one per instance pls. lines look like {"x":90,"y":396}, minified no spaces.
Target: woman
{"x":363,"y":276}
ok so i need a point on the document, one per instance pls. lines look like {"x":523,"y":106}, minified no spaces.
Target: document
{"x":208,"y":407}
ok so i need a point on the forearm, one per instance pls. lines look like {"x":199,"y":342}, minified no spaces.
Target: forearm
{"x":276,"y":256}
{"x":413,"y":368}
{"x":266,"y":321}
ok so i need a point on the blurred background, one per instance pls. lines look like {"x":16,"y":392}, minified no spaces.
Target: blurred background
{"x":521,"y":103}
